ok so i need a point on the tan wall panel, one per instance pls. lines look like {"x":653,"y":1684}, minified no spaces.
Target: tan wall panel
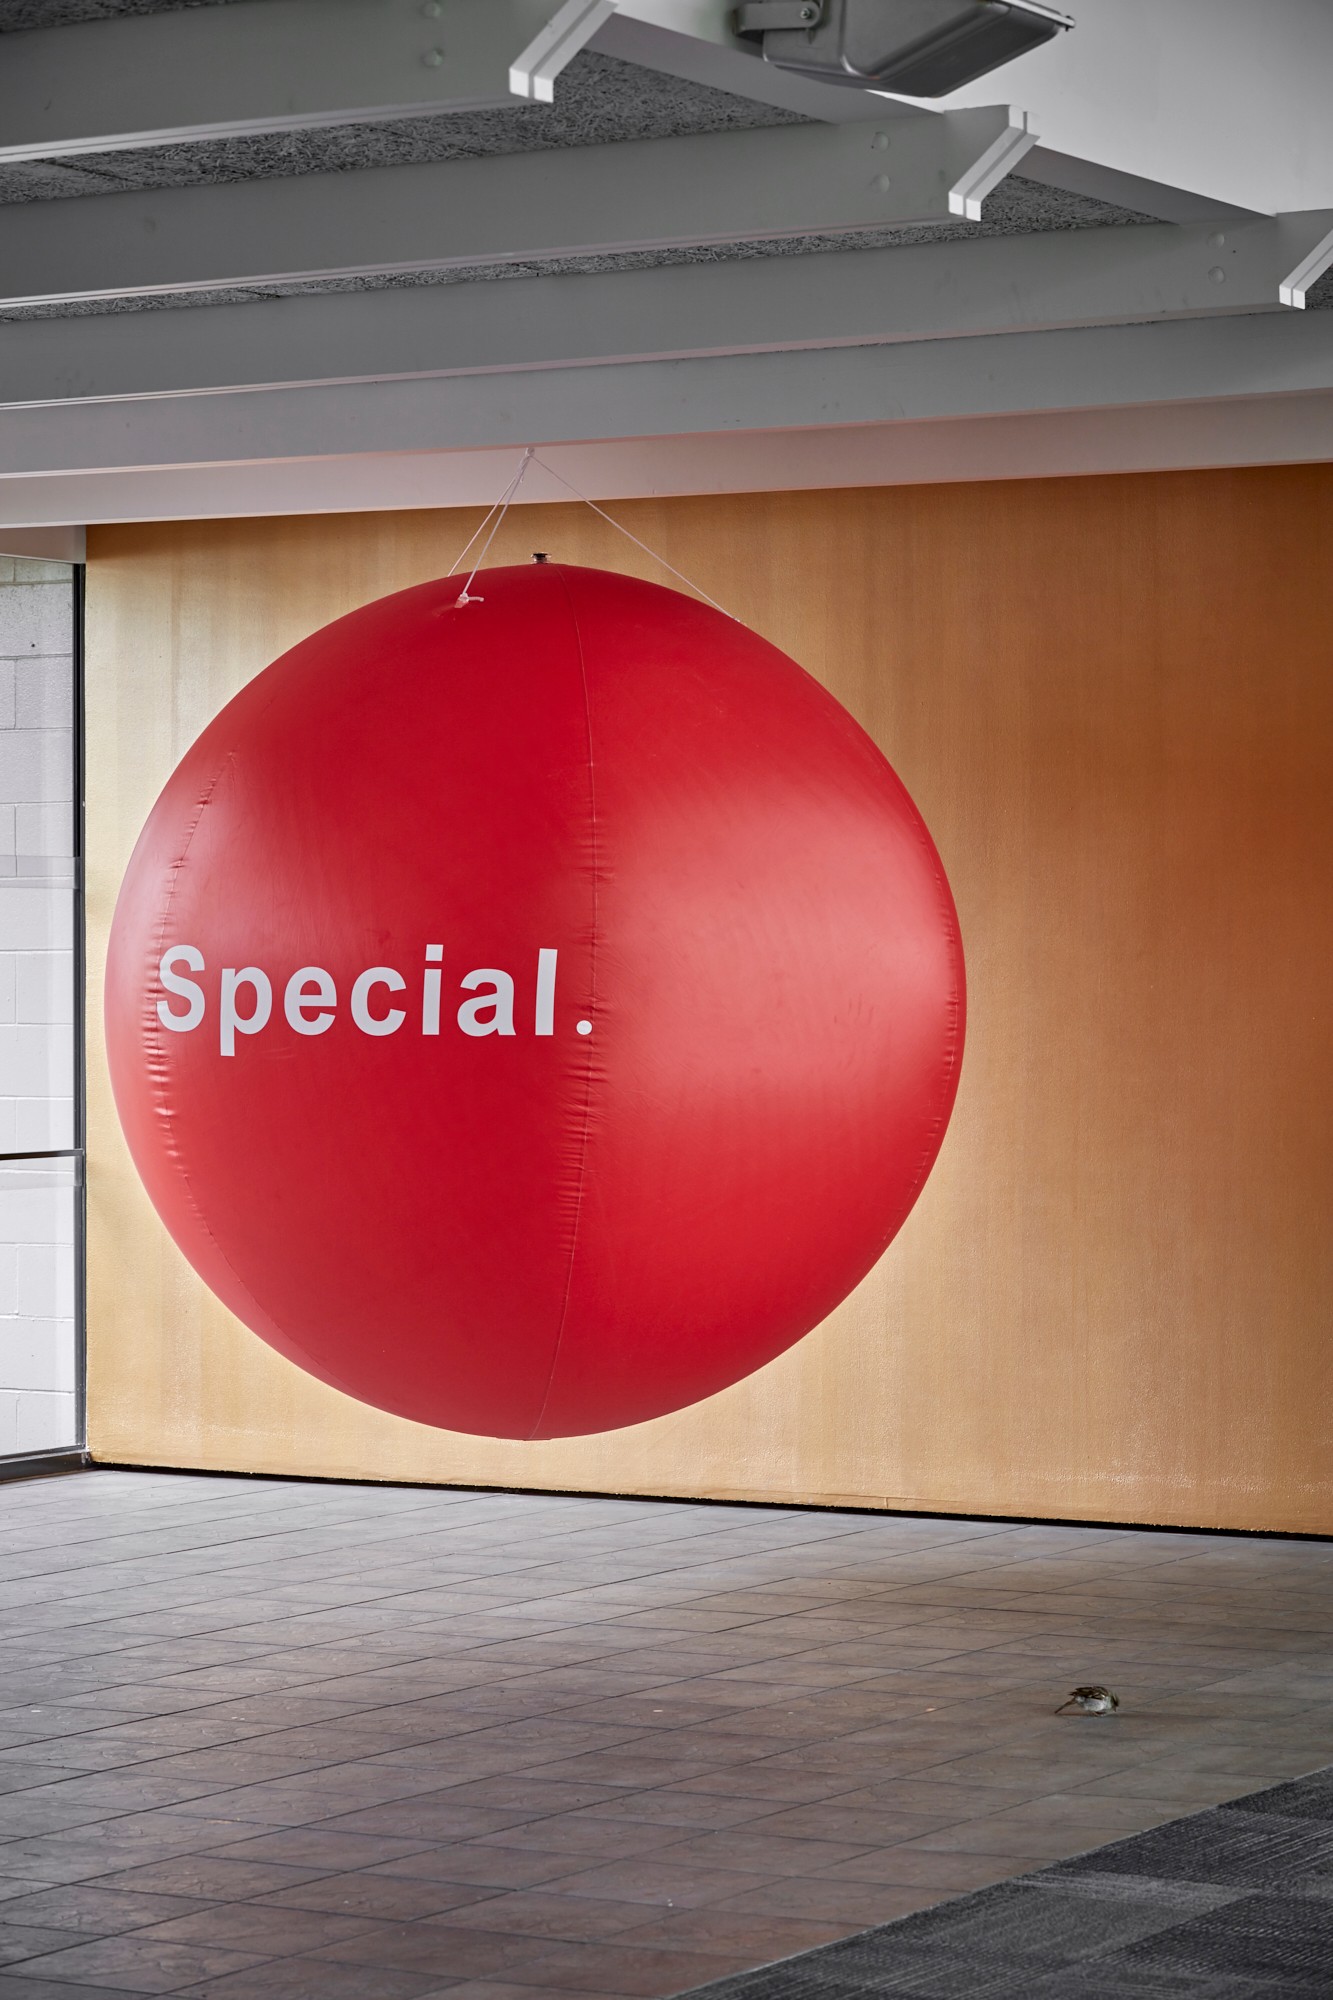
{"x":1112,"y":701}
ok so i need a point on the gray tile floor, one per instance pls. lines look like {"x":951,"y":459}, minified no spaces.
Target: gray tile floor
{"x":279,"y":1740}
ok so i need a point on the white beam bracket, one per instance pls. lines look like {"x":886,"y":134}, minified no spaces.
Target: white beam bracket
{"x":1299,"y":282}
{"x":534,"y":73}
{"x":985,"y":146}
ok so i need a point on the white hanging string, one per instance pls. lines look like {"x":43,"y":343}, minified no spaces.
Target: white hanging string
{"x":471,"y":540}
{"x":499,"y":509}
{"x":679,"y":575}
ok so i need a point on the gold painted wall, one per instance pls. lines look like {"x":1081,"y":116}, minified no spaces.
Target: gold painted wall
{"x":1112,"y":700}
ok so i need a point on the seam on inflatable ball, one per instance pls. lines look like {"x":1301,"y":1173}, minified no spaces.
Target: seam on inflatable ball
{"x":164,"y":1112}
{"x":953,"y":1061}
{"x":153,"y":1034}
{"x":535,"y":1432}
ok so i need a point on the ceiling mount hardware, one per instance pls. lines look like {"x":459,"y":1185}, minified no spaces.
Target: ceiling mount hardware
{"x":761,"y":17}
{"x":916,"y":48}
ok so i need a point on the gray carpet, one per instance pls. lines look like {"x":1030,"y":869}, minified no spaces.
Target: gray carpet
{"x":1226,"y":1905}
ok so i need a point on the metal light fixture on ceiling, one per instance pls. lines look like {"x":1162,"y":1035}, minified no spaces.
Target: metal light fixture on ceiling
{"x":918,"y":48}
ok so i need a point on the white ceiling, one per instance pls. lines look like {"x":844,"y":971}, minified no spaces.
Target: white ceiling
{"x":268,"y":255}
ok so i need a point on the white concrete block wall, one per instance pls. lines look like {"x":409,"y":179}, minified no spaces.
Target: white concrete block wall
{"x":37,"y":1331}
{"x":37,"y":1044}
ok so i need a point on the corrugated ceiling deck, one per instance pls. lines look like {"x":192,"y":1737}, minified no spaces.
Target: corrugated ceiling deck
{"x":19,"y":14}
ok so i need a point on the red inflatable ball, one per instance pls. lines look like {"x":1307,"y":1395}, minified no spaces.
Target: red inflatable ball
{"x":532,"y":1015}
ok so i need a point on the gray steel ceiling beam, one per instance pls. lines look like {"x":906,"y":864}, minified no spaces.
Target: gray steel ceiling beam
{"x":271,"y":66}
{"x":1259,"y":430}
{"x":1091,"y":277}
{"x":1014,"y":374}
{"x":643,"y":194}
